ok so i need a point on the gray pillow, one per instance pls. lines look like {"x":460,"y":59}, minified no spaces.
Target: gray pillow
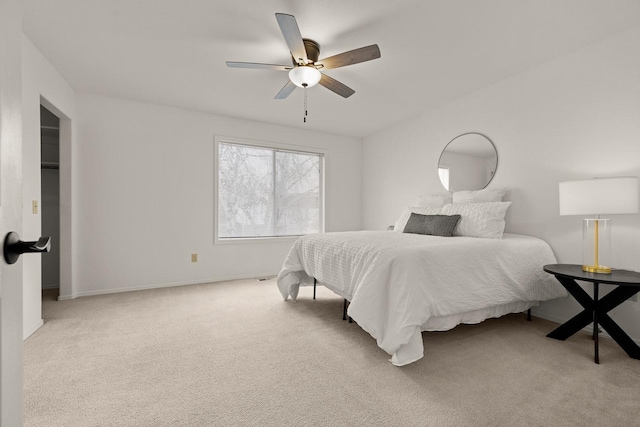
{"x":435,"y":225}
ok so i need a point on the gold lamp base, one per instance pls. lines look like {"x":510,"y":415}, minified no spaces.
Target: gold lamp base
{"x":596,"y":269}
{"x":596,"y":245}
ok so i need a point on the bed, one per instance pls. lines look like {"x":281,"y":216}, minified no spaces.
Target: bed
{"x":400,"y":284}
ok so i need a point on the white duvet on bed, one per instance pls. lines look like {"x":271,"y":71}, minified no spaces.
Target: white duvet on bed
{"x":400,"y":283}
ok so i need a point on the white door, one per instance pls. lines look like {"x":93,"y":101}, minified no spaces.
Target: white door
{"x":10,"y":211}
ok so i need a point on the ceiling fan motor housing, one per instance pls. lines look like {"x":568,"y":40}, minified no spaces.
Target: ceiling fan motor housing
{"x":313,"y":50}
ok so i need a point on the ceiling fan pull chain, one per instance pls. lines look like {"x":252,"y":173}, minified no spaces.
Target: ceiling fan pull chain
{"x":305,"y":103}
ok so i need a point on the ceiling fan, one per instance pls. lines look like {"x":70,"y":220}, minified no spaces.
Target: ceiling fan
{"x":305,"y":71}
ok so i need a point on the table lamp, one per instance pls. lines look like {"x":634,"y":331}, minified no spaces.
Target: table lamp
{"x":598,"y":196}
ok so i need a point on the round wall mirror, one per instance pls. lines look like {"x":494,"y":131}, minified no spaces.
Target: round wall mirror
{"x":468,"y":162}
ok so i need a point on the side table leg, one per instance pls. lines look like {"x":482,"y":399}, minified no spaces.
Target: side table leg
{"x":595,"y":322}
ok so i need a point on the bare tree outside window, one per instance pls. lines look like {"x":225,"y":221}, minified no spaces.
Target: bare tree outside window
{"x":264,"y":192}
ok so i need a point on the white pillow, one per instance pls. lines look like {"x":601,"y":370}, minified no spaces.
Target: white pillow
{"x":479,"y":196}
{"x":402,"y":220}
{"x":433,"y":200}
{"x":484,"y":220}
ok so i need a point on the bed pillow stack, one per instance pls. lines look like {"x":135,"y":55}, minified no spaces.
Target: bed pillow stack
{"x":484,"y":220}
{"x":481,"y":213}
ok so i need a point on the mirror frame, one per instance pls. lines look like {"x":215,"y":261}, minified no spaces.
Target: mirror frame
{"x":495,"y":150}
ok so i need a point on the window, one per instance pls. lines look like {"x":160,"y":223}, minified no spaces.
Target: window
{"x":267,"y":192}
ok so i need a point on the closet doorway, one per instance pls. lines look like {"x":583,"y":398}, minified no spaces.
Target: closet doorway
{"x":50,"y":200}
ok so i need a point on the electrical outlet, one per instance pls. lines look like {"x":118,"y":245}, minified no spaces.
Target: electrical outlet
{"x":194,"y":257}
{"x":34,"y":207}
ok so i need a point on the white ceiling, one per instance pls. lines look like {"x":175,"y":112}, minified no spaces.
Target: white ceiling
{"x":173,"y":52}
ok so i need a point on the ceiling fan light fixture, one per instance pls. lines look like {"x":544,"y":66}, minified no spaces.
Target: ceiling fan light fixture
{"x":304,"y":76}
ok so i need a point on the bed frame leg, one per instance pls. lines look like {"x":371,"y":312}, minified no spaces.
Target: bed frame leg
{"x":314,"y":287}
{"x":344,"y":311}
{"x":529,"y":315}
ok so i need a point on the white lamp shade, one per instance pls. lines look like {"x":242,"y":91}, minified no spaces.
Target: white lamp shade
{"x":304,"y":75}
{"x":600,"y":196}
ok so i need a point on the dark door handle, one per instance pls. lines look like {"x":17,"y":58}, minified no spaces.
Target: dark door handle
{"x":42,"y":245}
{"x":14,"y":247}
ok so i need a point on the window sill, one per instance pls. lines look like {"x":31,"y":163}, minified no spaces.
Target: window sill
{"x":245,"y":240}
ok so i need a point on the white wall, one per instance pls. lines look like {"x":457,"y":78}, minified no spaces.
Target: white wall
{"x":42,"y":83}
{"x":145,"y":197}
{"x":576,"y":117}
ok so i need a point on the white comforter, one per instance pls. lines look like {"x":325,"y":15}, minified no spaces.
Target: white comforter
{"x":397,"y":282}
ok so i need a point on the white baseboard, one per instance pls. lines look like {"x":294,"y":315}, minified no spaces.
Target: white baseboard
{"x":161,"y":285}
{"x":588,"y":329}
{"x":27,"y":332}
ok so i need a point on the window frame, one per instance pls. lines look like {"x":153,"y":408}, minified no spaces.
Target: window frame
{"x":270,"y":146}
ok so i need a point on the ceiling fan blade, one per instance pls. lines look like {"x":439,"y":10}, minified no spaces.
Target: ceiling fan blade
{"x":335,"y":86}
{"x":351,"y":57}
{"x":258,"y":66}
{"x":286,"y":90}
{"x":292,"y":36}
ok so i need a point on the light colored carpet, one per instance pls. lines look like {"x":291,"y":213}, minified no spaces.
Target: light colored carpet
{"x":233,"y":353}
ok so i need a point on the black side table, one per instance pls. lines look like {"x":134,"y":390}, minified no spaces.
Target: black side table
{"x":595,"y":310}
